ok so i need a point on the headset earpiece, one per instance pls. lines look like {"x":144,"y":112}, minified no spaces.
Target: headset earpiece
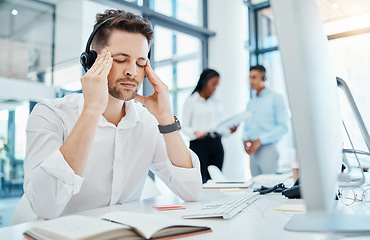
{"x":87,"y":59}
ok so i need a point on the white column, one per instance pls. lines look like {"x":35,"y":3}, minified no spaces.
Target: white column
{"x":228,"y":56}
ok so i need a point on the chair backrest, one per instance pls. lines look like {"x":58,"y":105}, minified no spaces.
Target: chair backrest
{"x":216,"y":174}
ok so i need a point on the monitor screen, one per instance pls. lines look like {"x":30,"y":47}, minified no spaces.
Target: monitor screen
{"x":313,"y":98}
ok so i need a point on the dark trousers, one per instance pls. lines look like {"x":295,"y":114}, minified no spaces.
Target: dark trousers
{"x":210,"y":152}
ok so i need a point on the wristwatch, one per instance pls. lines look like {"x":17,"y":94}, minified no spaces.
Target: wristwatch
{"x":170,"y":128}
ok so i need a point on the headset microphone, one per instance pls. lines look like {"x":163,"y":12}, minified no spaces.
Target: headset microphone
{"x":88,"y":57}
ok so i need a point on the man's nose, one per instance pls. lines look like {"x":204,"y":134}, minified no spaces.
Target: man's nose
{"x":130,"y":70}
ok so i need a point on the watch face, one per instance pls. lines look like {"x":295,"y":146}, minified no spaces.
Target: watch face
{"x":178,"y":123}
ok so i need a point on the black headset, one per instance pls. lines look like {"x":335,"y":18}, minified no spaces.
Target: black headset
{"x":88,"y":57}
{"x":277,"y":188}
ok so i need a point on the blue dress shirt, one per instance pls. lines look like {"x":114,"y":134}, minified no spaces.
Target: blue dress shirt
{"x":270,"y":118}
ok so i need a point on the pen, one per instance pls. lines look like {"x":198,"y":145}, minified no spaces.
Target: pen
{"x":230,"y":182}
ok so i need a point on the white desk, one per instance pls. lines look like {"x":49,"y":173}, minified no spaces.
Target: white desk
{"x":258,"y":221}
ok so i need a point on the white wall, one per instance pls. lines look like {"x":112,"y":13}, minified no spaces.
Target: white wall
{"x":227,"y":55}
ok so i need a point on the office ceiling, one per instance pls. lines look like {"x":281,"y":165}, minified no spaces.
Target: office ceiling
{"x":331,"y":10}
{"x":28,"y":10}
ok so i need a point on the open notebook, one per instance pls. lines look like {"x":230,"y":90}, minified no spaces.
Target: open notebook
{"x":114,"y":225}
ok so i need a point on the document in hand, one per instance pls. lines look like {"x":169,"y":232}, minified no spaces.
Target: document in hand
{"x":227,"y":184}
{"x":233,"y":121}
{"x":114,"y":225}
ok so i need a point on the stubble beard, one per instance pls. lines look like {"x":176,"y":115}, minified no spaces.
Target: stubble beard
{"x":123,"y":94}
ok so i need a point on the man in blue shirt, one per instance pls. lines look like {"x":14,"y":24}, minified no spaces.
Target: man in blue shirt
{"x":267,"y":125}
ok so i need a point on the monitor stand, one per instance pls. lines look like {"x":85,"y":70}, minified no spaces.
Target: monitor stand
{"x":340,"y":223}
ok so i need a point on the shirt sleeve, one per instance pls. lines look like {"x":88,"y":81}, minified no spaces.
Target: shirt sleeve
{"x":186,"y":126}
{"x":281,"y":123}
{"x":184,"y":182}
{"x":246,"y":135}
{"x":49,"y":181}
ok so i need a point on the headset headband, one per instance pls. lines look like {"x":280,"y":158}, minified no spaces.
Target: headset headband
{"x":94,"y":33}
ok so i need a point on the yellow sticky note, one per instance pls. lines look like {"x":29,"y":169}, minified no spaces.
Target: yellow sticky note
{"x":291,"y":208}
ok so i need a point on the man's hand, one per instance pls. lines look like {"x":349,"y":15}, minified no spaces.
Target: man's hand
{"x":95,"y":83}
{"x":200,"y":135}
{"x":158,"y":103}
{"x":252,"y":146}
{"x":233,"y":129}
{"x":76,"y":148}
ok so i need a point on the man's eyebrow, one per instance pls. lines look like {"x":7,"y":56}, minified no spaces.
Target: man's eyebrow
{"x":120,"y":54}
{"x":126,"y":55}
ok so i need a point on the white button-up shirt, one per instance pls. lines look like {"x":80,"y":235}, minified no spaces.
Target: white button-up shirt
{"x":117,"y":166}
{"x":201,"y":115}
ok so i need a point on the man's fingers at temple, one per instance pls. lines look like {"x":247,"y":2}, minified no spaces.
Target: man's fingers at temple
{"x":97,"y":63}
{"x":107,"y":67}
{"x":99,"y":60}
{"x":104,"y":62}
{"x":152,"y":77}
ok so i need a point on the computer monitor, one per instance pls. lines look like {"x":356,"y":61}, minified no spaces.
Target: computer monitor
{"x":314,"y":104}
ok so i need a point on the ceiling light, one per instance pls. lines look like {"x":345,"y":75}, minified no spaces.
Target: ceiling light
{"x":14,"y":12}
{"x":334,"y":5}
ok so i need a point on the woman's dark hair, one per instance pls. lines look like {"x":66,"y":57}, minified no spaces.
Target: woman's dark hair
{"x":204,"y":78}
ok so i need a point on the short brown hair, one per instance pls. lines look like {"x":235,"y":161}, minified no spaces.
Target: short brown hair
{"x":122,"y":20}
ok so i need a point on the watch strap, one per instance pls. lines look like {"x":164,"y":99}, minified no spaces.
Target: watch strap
{"x":171,"y":127}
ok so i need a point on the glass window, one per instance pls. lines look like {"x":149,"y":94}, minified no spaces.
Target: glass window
{"x":266,"y":30}
{"x":178,"y":62}
{"x":163,"y":43}
{"x":26,"y":36}
{"x":189,"y":11}
{"x":165,"y":73}
{"x":3,"y":123}
{"x":188,"y":44}
{"x":137,"y":2}
{"x":186,"y":78}
{"x":11,"y":160}
{"x":164,"y":7}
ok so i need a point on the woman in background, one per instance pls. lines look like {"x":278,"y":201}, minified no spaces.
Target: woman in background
{"x":201,"y":115}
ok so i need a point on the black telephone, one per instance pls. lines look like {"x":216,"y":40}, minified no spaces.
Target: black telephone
{"x":293,"y":192}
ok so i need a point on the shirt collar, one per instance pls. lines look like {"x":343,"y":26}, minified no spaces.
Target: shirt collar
{"x":199,"y":98}
{"x":128,"y":121}
{"x":263,"y":92}
{"x":131,"y":118}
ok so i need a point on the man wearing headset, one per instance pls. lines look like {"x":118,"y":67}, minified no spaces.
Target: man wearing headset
{"x":95,"y":149}
{"x":266,"y":127}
